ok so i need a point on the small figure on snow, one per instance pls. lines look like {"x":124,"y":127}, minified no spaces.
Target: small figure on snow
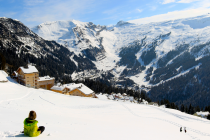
{"x":180,"y":129}
{"x":30,"y":126}
{"x":185,"y":130}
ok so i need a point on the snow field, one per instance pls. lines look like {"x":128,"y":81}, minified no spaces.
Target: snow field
{"x":79,"y":118}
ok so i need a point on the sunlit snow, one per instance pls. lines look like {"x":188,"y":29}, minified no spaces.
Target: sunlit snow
{"x":169,"y":35}
{"x":79,"y":118}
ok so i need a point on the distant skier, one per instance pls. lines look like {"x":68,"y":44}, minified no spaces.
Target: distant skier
{"x":185,"y":130}
{"x":30,"y":126}
{"x":180,"y":129}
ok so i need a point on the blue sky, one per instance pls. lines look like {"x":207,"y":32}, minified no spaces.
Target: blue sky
{"x":103,"y":12}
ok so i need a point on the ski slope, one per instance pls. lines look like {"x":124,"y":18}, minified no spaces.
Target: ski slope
{"x":80,"y":118}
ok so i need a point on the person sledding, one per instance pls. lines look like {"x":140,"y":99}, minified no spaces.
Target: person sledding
{"x":30,"y":126}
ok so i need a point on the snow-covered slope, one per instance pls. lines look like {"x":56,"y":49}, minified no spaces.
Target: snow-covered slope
{"x":79,"y":36}
{"x":3,"y":75}
{"x":86,"y":118}
{"x":143,"y":55}
{"x":155,"y":41}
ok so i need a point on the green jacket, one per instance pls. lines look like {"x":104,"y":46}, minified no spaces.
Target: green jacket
{"x":30,"y":128}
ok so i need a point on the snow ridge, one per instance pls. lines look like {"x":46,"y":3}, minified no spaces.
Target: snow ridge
{"x":103,"y":44}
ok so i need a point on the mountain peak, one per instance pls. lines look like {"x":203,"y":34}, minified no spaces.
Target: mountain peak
{"x":121,"y":23}
{"x":63,"y":23}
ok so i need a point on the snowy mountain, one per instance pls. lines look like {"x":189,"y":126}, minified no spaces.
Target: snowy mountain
{"x":82,"y":118}
{"x":168,"y":58}
{"x":81,"y":37}
{"x":128,"y":45}
{"x":19,"y":45}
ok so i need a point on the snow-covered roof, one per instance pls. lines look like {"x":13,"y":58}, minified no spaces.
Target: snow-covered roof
{"x":118,"y":93}
{"x":163,"y":106}
{"x":30,"y":69}
{"x":59,"y":88}
{"x":126,"y":98}
{"x":84,"y":89}
{"x":72,"y":86}
{"x":3,"y":76}
{"x":124,"y":94}
{"x":110,"y":97}
{"x":131,"y":98}
{"x":45,"y":78}
{"x":16,"y":74}
{"x":102,"y":96}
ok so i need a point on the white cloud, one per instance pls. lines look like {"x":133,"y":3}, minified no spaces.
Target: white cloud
{"x":139,"y":10}
{"x":10,"y":14}
{"x":202,"y":4}
{"x":42,"y":11}
{"x":33,"y":2}
{"x":187,"y":1}
{"x":172,"y":16}
{"x":111,"y":11}
{"x":153,"y":8}
{"x":168,"y":1}
{"x":128,"y":17}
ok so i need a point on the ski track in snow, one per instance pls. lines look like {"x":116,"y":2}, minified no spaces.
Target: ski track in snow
{"x":46,"y":100}
{"x":180,"y":116}
{"x":174,"y":123}
{"x":16,"y":98}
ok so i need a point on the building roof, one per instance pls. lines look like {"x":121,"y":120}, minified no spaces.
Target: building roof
{"x":16,"y":74}
{"x":118,"y":93}
{"x":59,"y":88}
{"x":72,"y":86}
{"x":124,"y":94}
{"x":30,"y":69}
{"x":45,"y":78}
{"x":84,"y":89}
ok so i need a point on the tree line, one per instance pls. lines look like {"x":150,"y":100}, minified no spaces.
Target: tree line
{"x":103,"y":86}
{"x":184,"y":108}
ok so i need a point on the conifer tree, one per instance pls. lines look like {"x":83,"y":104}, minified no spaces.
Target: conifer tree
{"x":3,"y":61}
{"x":186,"y":109}
{"x":197,"y":109}
{"x":208,"y":117}
{"x":182,"y":108}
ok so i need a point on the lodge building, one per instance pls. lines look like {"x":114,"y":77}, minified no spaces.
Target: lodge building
{"x":29,"y":76}
{"x":74,"y":89}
